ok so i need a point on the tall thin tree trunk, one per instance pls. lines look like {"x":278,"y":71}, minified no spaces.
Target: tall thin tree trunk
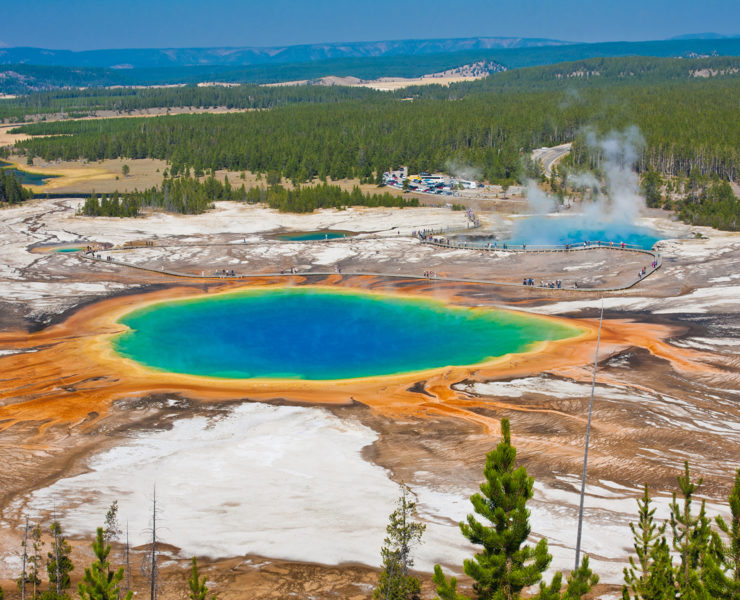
{"x":128,"y":566}
{"x":153,"y":583}
{"x":25,"y":556}
{"x":56,"y":555}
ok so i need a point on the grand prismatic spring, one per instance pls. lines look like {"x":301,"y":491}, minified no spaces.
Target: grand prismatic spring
{"x":322,"y":334}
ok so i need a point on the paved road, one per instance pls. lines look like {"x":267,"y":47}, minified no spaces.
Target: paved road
{"x":550,"y":156}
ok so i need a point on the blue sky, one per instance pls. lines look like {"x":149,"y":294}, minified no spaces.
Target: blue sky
{"x":89,"y":24}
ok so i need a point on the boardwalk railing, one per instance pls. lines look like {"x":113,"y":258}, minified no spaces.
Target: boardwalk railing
{"x":655,"y":265}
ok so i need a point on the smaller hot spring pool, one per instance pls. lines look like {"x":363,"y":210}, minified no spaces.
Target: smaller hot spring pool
{"x":310,"y":236}
{"x":67,"y":250}
{"x":558,"y":231}
{"x":577,"y":229}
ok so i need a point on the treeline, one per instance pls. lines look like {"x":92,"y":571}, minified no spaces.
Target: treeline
{"x":687,"y":125}
{"x":190,"y":196}
{"x":309,"y":198}
{"x":11,"y":190}
{"x":76,"y":103}
{"x":715,"y":205}
{"x":101,"y":580}
{"x":573,"y":75}
{"x":591,"y":72}
{"x":183,"y":195}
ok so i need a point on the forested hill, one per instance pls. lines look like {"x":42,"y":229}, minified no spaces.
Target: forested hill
{"x":592,"y":72}
{"x":23,"y":77}
{"x":72,"y":103}
{"x":689,"y":124}
{"x":574,"y":75}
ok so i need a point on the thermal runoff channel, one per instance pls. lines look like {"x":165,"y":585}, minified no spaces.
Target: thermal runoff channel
{"x":317,"y":334}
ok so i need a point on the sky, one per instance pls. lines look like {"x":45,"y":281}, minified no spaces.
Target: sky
{"x":96,"y":24}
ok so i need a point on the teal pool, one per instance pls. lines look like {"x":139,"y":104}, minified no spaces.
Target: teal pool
{"x":577,"y":229}
{"x":310,"y":236}
{"x":66,"y":250}
{"x":321,"y":334}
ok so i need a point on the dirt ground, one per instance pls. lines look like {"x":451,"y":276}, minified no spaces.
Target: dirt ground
{"x":668,"y":383}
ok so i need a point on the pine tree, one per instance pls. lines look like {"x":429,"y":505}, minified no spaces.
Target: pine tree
{"x":58,"y":563}
{"x":650,"y":577}
{"x":505,"y":566}
{"x":580,"y":582}
{"x":446,"y":590}
{"x":395,"y":583}
{"x":197,"y":585}
{"x":34,"y":560}
{"x":99,"y":582}
{"x":691,"y":535}
{"x":722,"y":574}
{"x":112,"y":529}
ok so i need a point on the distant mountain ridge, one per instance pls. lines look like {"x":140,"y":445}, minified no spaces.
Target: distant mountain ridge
{"x":703,"y":36}
{"x":245,"y":56}
{"x":26,"y":77}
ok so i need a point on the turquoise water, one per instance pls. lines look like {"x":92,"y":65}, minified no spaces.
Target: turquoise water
{"x":576,"y":229}
{"x":309,"y":333}
{"x":309,"y":236}
{"x":65,"y":250}
{"x":26,"y":177}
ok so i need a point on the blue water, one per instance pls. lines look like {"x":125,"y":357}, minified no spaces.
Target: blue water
{"x":309,"y":236}
{"x":576,"y":229}
{"x":25,"y":177}
{"x":314,"y":333}
{"x":65,"y":250}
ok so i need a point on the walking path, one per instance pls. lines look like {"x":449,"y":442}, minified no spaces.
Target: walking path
{"x":656,"y":263}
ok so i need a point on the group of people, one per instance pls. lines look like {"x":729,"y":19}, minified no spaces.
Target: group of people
{"x":291,"y":271}
{"x":557,"y":284}
{"x":430,"y":274}
{"x":225,"y":273}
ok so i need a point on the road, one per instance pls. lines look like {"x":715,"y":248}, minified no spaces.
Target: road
{"x":550,"y":156}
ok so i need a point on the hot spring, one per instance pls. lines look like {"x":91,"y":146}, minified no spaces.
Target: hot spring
{"x":310,"y":236}
{"x":576,"y":229}
{"x":558,"y":231}
{"x":322,"y":334}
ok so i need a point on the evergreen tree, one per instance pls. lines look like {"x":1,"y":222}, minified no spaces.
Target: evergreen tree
{"x":722,"y":574}
{"x":34,"y":560}
{"x":99,"y":582}
{"x":650,"y":577}
{"x":446,"y":590}
{"x":580,"y":582}
{"x":198,"y":588}
{"x":58,"y":562}
{"x":506,"y":565}
{"x":691,"y":535}
{"x":651,"y":185}
{"x":112,"y":527}
{"x":395,"y":583}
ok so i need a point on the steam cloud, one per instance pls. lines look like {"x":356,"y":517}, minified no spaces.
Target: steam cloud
{"x":540,"y":202}
{"x":460,"y":170}
{"x":619,"y":153}
{"x":616,"y":198}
